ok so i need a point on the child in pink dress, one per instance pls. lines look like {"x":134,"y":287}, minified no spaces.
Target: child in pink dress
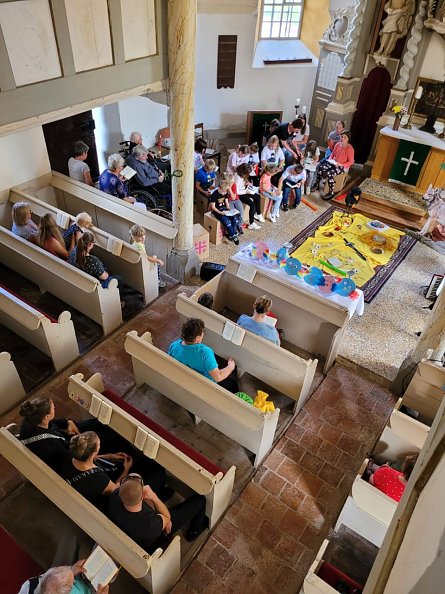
{"x":271,"y":193}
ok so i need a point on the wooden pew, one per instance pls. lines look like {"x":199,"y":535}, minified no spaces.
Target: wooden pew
{"x":182,"y":461}
{"x":108,"y":213}
{"x":311,"y":322}
{"x":322,"y":577}
{"x":289,"y":374}
{"x":16,"y":566}
{"x":405,"y":426}
{"x":119,"y":256}
{"x":371,"y":500}
{"x":240,"y":421}
{"x":11,"y":387}
{"x":156,"y":573}
{"x":55,"y":338}
{"x":50,"y":273}
{"x":426,"y":390}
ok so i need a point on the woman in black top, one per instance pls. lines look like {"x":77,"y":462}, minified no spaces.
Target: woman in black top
{"x":81,"y":258}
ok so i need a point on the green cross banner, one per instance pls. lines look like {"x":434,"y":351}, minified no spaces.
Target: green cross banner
{"x":408,"y":162}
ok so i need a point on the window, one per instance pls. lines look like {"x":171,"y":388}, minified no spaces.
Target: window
{"x":281,"y":19}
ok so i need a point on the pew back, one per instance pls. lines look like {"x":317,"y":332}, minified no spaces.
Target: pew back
{"x":50,"y":273}
{"x":240,"y":421}
{"x":371,"y":500}
{"x":55,"y":338}
{"x":392,"y":446}
{"x":289,"y":374}
{"x":408,"y":428}
{"x":426,"y":390}
{"x":118,"y":256}
{"x":11,"y":387}
{"x":199,"y":473}
{"x":123,"y":549}
{"x":108,"y":213}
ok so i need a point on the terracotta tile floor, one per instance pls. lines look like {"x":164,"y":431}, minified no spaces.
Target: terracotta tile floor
{"x":269,"y":537}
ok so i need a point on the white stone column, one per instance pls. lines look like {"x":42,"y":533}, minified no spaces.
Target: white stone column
{"x":412,"y":47}
{"x":182,"y":262}
{"x":354,"y":39}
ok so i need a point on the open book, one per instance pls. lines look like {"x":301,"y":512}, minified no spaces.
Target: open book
{"x":100,"y":568}
{"x":128,"y":172}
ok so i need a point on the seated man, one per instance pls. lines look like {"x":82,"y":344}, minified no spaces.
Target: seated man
{"x":139,"y":512}
{"x":147,"y":174}
{"x":77,"y":167}
{"x":191,"y":352}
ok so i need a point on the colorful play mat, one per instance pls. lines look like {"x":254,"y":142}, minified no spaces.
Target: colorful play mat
{"x":354,"y":246}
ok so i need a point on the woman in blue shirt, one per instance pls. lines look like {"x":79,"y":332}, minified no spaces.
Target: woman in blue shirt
{"x":257,"y":323}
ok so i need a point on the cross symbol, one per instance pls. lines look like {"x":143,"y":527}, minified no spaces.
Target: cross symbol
{"x":409,"y":162}
{"x":265,"y":126}
{"x":200,"y":246}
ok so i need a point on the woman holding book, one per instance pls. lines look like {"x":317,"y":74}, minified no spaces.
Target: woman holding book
{"x":341,"y":159}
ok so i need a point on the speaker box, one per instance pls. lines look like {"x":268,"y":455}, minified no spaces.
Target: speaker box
{"x":210,"y":269}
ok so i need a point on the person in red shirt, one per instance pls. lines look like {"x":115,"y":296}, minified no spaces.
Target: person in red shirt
{"x":391,"y":481}
{"x":341,"y":159}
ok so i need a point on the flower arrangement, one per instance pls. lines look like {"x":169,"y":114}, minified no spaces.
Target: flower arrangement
{"x":399,"y":110}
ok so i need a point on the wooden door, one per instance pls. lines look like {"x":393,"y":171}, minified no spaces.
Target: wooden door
{"x":60,"y":137}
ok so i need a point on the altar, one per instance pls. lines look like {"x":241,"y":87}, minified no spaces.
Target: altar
{"x":410,"y":157}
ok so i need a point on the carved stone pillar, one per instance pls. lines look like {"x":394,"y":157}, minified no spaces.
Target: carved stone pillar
{"x":412,"y":47}
{"x":354,"y":39}
{"x":182,"y":263}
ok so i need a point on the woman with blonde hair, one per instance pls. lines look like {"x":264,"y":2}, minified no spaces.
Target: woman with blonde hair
{"x":49,"y":237}
{"x":257,"y":322}
{"x":22,"y":224}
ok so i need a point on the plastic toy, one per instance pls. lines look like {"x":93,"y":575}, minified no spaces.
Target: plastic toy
{"x":261,"y":404}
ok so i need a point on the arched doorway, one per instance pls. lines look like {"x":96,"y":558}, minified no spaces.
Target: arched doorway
{"x":372,"y":102}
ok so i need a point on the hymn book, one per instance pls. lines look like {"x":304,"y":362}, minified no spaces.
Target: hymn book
{"x":100,"y":568}
{"x":128,"y":172}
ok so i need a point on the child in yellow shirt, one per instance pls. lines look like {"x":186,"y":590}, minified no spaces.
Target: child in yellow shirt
{"x":137,"y":238}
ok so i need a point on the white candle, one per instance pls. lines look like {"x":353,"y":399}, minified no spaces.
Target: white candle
{"x":303,"y":110}
{"x":419,"y":91}
{"x":298,"y":101}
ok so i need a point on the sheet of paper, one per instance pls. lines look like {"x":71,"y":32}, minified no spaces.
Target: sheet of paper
{"x":128,"y":172}
{"x":105,"y":413}
{"x":246,"y":273}
{"x":100,"y":568}
{"x":95,"y":406}
{"x":238,"y":335}
{"x":270,"y":321}
{"x":140,"y":438}
{"x":151,"y":446}
{"x":229,"y":329}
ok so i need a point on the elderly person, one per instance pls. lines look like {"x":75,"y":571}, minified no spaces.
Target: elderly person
{"x":257,"y":322}
{"x":190,"y":351}
{"x":139,"y":512}
{"x":340,"y":161}
{"x":61,"y":580}
{"x":135,"y":140}
{"x":111,"y":181}
{"x":147,"y":174}
{"x":77,"y":167}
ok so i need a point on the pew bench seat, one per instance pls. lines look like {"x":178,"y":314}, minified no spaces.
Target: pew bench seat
{"x":55,"y":338}
{"x":16,"y":566}
{"x":182,"y":461}
{"x":156,"y":573}
{"x":204,"y":398}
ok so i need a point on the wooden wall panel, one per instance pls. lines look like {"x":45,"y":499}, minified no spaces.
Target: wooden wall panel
{"x":139,"y":27}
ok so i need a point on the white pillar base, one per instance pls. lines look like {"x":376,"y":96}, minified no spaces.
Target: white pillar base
{"x":183,"y":264}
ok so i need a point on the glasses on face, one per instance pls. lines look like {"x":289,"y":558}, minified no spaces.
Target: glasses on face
{"x":133,"y":477}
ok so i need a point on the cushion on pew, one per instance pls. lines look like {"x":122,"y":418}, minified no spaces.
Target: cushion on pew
{"x":16,"y":566}
{"x":50,"y":318}
{"x":331,"y":575}
{"x":164,"y":433}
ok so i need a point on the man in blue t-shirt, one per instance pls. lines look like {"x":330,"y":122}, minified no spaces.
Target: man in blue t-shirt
{"x":190,"y":351}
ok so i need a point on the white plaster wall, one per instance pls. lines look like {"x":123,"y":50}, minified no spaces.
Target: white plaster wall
{"x":117,"y":121}
{"x":255,"y":89}
{"x":434,"y":62}
{"x":33,"y":163}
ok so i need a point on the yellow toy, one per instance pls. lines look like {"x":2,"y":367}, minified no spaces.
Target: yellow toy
{"x":261,"y":404}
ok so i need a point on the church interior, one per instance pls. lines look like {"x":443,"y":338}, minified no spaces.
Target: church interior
{"x":316,"y":446}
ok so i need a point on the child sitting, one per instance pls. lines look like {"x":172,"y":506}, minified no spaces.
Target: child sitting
{"x":49,"y":237}
{"x":22,"y":224}
{"x":311,"y":154}
{"x":239,"y":155}
{"x":74,"y":231}
{"x":234,"y":201}
{"x":219,"y":206}
{"x":205,"y":178}
{"x":254,"y":162}
{"x":271,"y":193}
{"x":137,"y":238}
{"x":293,"y":178}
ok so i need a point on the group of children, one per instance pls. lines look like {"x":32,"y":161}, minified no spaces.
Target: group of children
{"x":249,"y":177}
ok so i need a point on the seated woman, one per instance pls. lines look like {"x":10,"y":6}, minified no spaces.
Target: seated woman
{"x":80,"y":257}
{"x":391,"y":481}
{"x":112,"y":183}
{"x":74,"y":232}
{"x":248,"y":194}
{"x":48,"y":438}
{"x":22,"y":224}
{"x":219,"y":206}
{"x":341,"y":159}
{"x":190,"y":351}
{"x":94,"y":475}
{"x":257,"y":323}
{"x":49,"y":237}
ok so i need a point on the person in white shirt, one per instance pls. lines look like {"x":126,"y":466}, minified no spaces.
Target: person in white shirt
{"x":292,"y":179}
{"x":248,"y":194}
{"x":311,"y":155}
{"x":239,"y":156}
{"x":272,"y":154}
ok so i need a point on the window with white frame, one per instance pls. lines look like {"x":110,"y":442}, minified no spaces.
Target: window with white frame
{"x":281,"y":19}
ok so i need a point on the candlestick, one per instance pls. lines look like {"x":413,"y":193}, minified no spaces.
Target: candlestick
{"x":303,"y":110}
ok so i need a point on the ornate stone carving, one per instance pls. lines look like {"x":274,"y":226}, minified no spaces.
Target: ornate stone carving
{"x":354,"y":38}
{"x":338,"y":30}
{"x":412,"y":47}
{"x":395,"y":25}
{"x":436,"y":16}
